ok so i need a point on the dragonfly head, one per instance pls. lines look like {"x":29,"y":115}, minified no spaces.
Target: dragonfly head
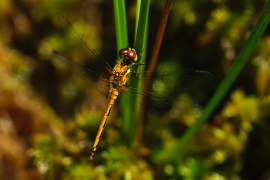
{"x":128,"y":55}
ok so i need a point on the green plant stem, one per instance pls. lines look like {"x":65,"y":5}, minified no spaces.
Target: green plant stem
{"x":152,"y":64}
{"x":121,"y":24}
{"x":122,"y":41}
{"x":129,"y":121}
{"x":140,"y":45}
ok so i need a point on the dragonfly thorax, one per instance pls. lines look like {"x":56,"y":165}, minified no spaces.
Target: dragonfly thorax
{"x":120,"y":76}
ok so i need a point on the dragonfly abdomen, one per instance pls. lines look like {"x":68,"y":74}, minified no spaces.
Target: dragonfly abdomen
{"x":111,"y":100}
{"x":118,"y":81}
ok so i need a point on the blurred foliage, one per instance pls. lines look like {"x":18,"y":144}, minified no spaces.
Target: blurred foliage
{"x":49,"y":116}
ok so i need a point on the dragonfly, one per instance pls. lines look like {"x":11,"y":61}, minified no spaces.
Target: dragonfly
{"x":118,"y":80}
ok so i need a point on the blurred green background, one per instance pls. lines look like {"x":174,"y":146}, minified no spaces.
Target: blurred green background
{"x":49,"y":115}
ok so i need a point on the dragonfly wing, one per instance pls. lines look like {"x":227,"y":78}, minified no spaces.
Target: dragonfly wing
{"x":177,"y":107}
{"x":166,"y":86}
{"x":87,"y":74}
{"x":96,"y":61}
{"x":186,"y":79}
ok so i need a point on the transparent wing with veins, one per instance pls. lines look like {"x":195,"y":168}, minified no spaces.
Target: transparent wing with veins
{"x":97,"y":65}
{"x":165,"y":85}
{"x":102,"y":83}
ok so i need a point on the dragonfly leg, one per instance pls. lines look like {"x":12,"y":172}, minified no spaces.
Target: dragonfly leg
{"x":138,"y":69}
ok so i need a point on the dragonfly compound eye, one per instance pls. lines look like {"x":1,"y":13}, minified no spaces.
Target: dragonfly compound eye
{"x":123,"y":53}
{"x":132,"y":55}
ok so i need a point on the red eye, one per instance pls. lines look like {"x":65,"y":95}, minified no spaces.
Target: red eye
{"x":132,"y":55}
{"x":123,"y":53}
